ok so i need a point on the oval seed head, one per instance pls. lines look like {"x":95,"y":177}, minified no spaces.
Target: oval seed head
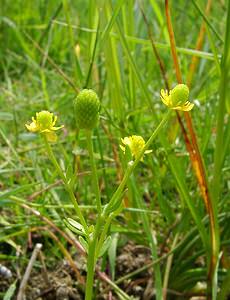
{"x":44,"y":120}
{"x":179,"y":95}
{"x":87,"y":106}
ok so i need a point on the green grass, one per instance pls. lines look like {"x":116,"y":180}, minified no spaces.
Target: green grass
{"x":41,"y":68}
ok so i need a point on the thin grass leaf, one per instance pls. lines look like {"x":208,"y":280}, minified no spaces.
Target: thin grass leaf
{"x":11,"y":290}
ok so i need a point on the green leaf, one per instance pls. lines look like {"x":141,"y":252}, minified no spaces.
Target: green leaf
{"x":112,"y":254}
{"x":105,"y":246}
{"x":74,"y":226}
{"x":118,"y":205}
{"x":84,"y":243}
{"x":10,"y":292}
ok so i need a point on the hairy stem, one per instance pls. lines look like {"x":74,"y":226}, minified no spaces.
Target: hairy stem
{"x":90,"y":270}
{"x":91,"y":260}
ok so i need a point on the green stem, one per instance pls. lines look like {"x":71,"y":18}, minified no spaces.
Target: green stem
{"x":103,"y":234}
{"x":90,"y":270}
{"x":67,"y":187}
{"x":94,"y":170}
{"x":91,"y":260}
{"x":133,"y":165}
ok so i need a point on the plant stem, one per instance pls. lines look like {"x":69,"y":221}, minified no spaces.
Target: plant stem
{"x":94,"y":170}
{"x":91,"y":260}
{"x":103,"y":234}
{"x":67,"y":187}
{"x":90,"y":270}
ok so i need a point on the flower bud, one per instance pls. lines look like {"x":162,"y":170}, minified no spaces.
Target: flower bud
{"x":87,"y":106}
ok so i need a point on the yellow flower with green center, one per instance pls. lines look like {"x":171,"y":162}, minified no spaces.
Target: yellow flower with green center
{"x":177,"y":98}
{"x":44,"y":123}
{"x":135,"y":143}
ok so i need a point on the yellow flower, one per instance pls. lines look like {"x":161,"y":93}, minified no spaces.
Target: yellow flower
{"x":177,"y":98}
{"x":44,"y":123}
{"x":135,"y":143}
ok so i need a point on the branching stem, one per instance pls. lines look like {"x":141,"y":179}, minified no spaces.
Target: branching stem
{"x":65,"y":182}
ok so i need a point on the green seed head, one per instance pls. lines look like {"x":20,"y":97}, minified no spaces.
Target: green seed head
{"x":87,"y":107}
{"x":179,"y":95}
{"x":44,"y":120}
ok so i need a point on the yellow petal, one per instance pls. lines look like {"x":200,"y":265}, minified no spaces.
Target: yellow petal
{"x":32,"y":127}
{"x":122,"y":148}
{"x":186,"y":107}
{"x":165,"y":97}
{"x":164,"y":93}
{"x":57,"y":128}
{"x":148,"y":151}
{"x":127,"y":141}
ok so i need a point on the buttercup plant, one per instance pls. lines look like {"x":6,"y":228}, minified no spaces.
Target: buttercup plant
{"x":94,"y":239}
